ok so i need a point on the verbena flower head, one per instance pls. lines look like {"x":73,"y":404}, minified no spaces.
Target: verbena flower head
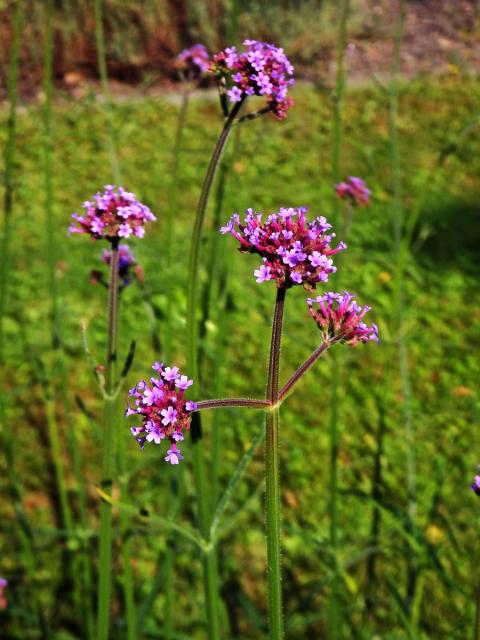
{"x":355,"y":190}
{"x":126,"y":262}
{"x":112,"y":215}
{"x":193,"y":61}
{"x":339,"y":318}
{"x":163,"y":409}
{"x":262,"y":70}
{"x":476,"y":485}
{"x":294,"y":251}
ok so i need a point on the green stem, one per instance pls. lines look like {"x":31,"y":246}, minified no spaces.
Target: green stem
{"x":334,"y":601}
{"x":233,"y":402}
{"x":202,"y":490}
{"x":105,"y":561}
{"x":401,"y":255}
{"x":319,"y":351}
{"x":272,"y":477}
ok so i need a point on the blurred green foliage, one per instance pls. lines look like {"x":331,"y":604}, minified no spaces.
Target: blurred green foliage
{"x":274,"y":164}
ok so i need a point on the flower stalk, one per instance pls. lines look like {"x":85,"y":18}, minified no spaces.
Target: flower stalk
{"x":288,"y":386}
{"x":105,"y":562}
{"x":272,"y":475}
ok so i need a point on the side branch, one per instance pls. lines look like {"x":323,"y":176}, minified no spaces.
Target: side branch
{"x":233,"y":402}
{"x":301,"y":370}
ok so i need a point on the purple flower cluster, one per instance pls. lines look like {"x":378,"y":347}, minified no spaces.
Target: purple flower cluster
{"x":161,"y":404}
{"x":355,"y":190}
{"x":113,"y":214}
{"x":294,"y":251}
{"x":3,"y":600}
{"x":126,"y":261}
{"x":339,"y":318}
{"x":261,"y":70}
{"x":193,"y":61}
{"x":476,"y":485}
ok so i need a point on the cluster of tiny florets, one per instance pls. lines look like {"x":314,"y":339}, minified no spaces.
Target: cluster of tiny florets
{"x":339,"y":318}
{"x":294,"y":251}
{"x":161,"y":404}
{"x":355,"y":190}
{"x":262,"y":70}
{"x":113,"y":214}
{"x":194,"y":61}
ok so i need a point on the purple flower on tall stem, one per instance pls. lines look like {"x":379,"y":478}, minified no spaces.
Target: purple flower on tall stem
{"x":339,"y":318}
{"x":294,"y":251}
{"x":173,"y":455}
{"x":262,"y":70}
{"x":112,"y":215}
{"x":355,"y":190}
{"x":161,"y":404}
{"x":476,"y":485}
{"x":193,"y":62}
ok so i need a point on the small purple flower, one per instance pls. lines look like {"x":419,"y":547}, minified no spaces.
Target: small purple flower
{"x":262,"y":70}
{"x":235,"y":94}
{"x":182,"y":382}
{"x":170,"y":374}
{"x":355,"y":190}
{"x":173,"y":455}
{"x":169,"y":415}
{"x":262,"y":274}
{"x":162,"y":407}
{"x":154,"y":433}
{"x":339,"y":318}
{"x":476,"y":485}
{"x":294,"y":251}
{"x":113,"y":214}
{"x":194,"y":61}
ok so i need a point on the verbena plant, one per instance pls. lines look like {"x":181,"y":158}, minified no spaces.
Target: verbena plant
{"x":294,"y":252}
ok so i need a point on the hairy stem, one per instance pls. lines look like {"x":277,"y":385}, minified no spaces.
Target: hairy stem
{"x":319,"y":351}
{"x":105,"y":561}
{"x":272,"y":478}
{"x":233,"y":402}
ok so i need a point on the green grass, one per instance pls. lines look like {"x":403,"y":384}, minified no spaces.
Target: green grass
{"x":276,"y":164}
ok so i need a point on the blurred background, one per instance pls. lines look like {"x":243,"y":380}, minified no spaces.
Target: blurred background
{"x":387,"y":91}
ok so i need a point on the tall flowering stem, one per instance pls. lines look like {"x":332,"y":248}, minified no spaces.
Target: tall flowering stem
{"x":112,"y":215}
{"x":105,"y":563}
{"x":272,"y":477}
{"x":261,"y":70}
